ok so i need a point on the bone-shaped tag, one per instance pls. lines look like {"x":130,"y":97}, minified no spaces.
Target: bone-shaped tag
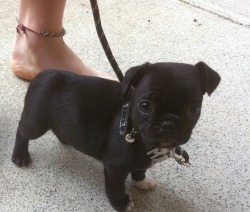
{"x":156,"y":155}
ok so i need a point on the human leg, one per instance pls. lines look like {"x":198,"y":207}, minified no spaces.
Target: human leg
{"x":33,"y":53}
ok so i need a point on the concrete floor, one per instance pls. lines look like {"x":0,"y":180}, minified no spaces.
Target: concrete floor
{"x":62,"y":179}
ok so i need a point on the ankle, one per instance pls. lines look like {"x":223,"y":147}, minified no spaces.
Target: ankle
{"x":33,"y":53}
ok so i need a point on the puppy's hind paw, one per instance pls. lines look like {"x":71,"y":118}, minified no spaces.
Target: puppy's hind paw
{"x":21,"y":159}
{"x":145,"y":184}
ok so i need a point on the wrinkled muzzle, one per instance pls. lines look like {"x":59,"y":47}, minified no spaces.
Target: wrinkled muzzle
{"x":167,"y":131}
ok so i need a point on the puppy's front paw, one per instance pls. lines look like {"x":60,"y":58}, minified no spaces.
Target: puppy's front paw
{"x":21,"y":158}
{"x":145,"y":184}
{"x":130,"y":207}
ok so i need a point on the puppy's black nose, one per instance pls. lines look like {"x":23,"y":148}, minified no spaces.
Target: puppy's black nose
{"x":168,"y":125}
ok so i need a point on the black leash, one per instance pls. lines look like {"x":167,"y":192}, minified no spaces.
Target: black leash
{"x":179,"y":154}
{"x":104,"y":41}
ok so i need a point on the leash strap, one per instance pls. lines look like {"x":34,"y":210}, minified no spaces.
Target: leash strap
{"x":104,"y":41}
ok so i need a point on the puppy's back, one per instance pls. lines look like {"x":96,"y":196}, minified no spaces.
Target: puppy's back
{"x":78,"y":109}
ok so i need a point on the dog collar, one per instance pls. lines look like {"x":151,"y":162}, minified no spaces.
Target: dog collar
{"x":124,"y":118}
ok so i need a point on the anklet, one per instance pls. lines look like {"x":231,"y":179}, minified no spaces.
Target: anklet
{"x":20,"y":27}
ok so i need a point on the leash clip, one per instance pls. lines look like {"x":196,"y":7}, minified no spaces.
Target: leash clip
{"x":131,"y":137}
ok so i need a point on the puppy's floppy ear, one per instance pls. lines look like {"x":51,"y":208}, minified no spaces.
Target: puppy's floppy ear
{"x":132,"y":77}
{"x":210,"y":79}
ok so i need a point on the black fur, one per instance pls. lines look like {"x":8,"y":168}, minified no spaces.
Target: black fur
{"x":85,"y":112}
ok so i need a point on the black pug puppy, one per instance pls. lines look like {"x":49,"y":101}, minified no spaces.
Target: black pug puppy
{"x":125,"y":125}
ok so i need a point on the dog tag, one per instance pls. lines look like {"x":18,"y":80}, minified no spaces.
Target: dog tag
{"x":156,"y":155}
{"x":180,"y":155}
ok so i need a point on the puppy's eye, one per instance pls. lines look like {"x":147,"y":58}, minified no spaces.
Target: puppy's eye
{"x":145,"y":107}
{"x":194,"y":111}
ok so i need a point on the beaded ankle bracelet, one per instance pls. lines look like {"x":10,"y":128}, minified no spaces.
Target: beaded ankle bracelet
{"x":21,"y":28}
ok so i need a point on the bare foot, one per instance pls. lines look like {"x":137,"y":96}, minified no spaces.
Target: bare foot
{"x":33,"y":53}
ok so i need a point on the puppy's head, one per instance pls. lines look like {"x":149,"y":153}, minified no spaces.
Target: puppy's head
{"x":166,"y":100}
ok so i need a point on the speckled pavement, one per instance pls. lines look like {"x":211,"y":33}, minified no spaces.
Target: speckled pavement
{"x":62,"y":179}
